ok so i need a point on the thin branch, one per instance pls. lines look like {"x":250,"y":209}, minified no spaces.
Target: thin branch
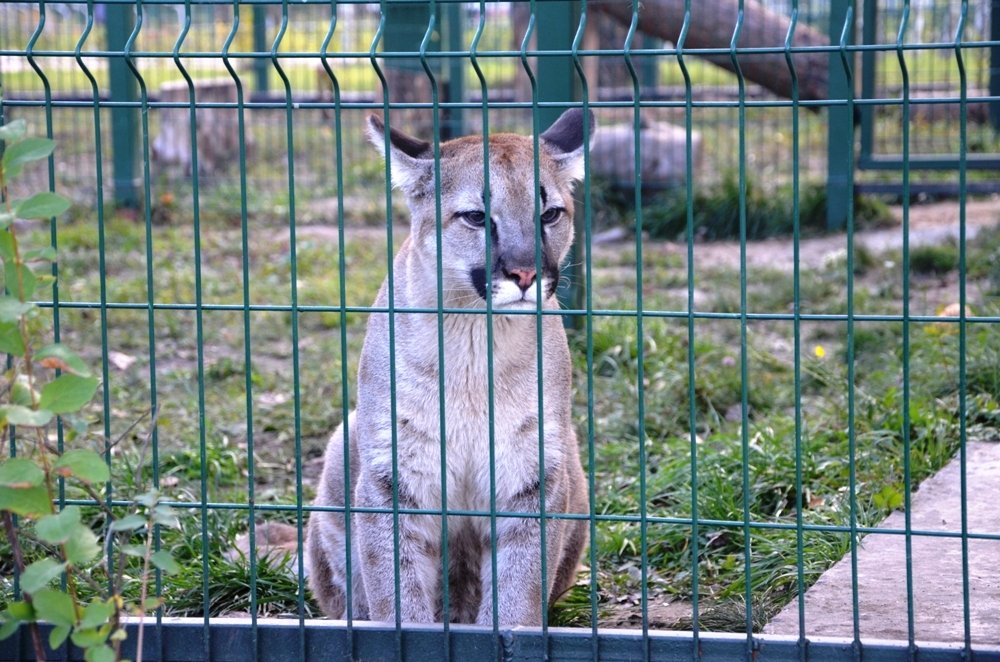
{"x":36,"y":634}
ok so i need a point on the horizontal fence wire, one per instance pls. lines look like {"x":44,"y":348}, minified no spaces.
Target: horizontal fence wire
{"x":232,"y":225}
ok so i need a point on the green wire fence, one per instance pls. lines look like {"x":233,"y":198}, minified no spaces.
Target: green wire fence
{"x":232,"y":227}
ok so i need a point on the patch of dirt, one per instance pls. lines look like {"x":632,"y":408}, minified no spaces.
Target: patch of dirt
{"x":662,"y":616}
{"x":929,"y":224}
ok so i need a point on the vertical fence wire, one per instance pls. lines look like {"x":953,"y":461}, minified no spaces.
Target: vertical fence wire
{"x":963,"y":147}
{"x":744,"y":348}
{"x":539,"y":400}
{"x":439,"y":268}
{"x":851,"y":386}
{"x":493,"y":597}
{"x":150,"y":280}
{"x":905,"y":431}
{"x":588,"y":292}
{"x":639,"y":328}
{"x":294,"y":294}
{"x":342,"y":315}
{"x":797,"y":338}
{"x":247,"y":343}
{"x":391,"y":320}
{"x":199,"y":318}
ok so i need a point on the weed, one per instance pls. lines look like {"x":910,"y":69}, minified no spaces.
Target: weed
{"x":934,"y":260}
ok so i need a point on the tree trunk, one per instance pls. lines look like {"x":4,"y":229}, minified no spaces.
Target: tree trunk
{"x":712,"y":25}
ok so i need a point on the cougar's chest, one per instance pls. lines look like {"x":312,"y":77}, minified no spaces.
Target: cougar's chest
{"x":472,"y":426}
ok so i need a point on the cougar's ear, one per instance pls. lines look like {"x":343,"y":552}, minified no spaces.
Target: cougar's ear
{"x":410,"y":159}
{"x":564,"y":141}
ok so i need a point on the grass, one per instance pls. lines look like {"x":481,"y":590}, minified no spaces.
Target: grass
{"x":716,"y":210}
{"x":208,"y":449}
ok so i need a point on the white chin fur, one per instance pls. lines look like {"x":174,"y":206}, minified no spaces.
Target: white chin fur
{"x":509,"y":296}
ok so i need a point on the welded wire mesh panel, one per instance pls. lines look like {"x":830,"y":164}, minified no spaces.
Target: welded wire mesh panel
{"x":933,"y":75}
{"x":757,"y":371}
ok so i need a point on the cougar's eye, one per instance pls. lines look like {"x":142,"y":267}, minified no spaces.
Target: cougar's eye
{"x":476,"y":218}
{"x":552,"y":215}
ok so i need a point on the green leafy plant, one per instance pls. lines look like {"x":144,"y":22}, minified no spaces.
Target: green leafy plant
{"x":64,"y":578}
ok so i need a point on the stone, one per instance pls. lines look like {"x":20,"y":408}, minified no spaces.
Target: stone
{"x":217,"y":133}
{"x":662,"y":151}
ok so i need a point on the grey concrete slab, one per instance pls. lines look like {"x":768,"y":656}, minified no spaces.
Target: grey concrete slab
{"x":938,"y":611}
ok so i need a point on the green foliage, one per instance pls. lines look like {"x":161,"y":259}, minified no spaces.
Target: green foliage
{"x":934,"y":259}
{"x":63,"y":577}
{"x":716,"y":212}
{"x":821,"y":451}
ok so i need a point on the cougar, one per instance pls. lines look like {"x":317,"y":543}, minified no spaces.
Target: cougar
{"x":404,"y":357}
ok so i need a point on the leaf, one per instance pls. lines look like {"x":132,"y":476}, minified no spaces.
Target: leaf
{"x":21,"y":611}
{"x":128,"y":523}
{"x":83,"y":463}
{"x":101,"y":653}
{"x":53,"y":606}
{"x":90,"y":637}
{"x":20,"y":472}
{"x":13,"y":309}
{"x":38,"y":575}
{"x":8,"y":627}
{"x":6,"y":246}
{"x":25,"y":151}
{"x":67,"y":393}
{"x":62,"y":357}
{"x":27,"y":502}
{"x":21,"y":393}
{"x":152,"y":603}
{"x":58,"y":636}
{"x":59,"y":527}
{"x":46,"y":254}
{"x":138,"y":551}
{"x":96,"y":614}
{"x":165,"y":516}
{"x":41,"y":205}
{"x":23,"y":285}
{"x":82,"y":547}
{"x":164,"y":560}
{"x":21,"y":415}
{"x":149,"y":498}
{"x":10,"y":339}
{"x":13,"y":130}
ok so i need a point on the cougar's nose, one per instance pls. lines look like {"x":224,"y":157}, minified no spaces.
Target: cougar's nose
{"x":524,"y":277}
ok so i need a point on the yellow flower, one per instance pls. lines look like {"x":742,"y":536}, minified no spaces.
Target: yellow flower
{"x":819,"y":351}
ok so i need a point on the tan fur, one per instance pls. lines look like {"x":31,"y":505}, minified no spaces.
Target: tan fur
{"x":413,"y":371}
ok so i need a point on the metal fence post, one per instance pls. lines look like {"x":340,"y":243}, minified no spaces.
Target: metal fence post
{"x":558,"y":83}
{"x":456,"y":68}
{"x":260,"y":45}
{"x":840,"y":126}
{"x":124,"y":119}
{"x":995,"y":63}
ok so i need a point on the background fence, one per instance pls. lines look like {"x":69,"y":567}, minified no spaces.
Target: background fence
{"x":746,"y":416}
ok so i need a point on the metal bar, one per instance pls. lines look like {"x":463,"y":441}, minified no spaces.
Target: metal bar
{"x":561,"y":85}
{"x":328,"y":640}
{"x":840,"y":126}
{"x":260,"y":67}
{"x":868,"y":64}
{"x":454,"y":125}
{"x":124,"y":121}
{"x":994,"y":62}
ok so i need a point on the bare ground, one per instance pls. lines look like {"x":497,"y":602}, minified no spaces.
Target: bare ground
{"x":929,"y":224}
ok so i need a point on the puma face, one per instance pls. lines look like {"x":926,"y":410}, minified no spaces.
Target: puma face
{"x":528,"y":236}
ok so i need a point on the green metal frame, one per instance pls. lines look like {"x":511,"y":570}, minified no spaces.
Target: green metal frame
{"x":869,"y":159}
{"x":559,"y":65}
{"x":234,"y":640}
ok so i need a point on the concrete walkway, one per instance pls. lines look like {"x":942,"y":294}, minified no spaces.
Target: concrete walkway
{"x":937,"y":567}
